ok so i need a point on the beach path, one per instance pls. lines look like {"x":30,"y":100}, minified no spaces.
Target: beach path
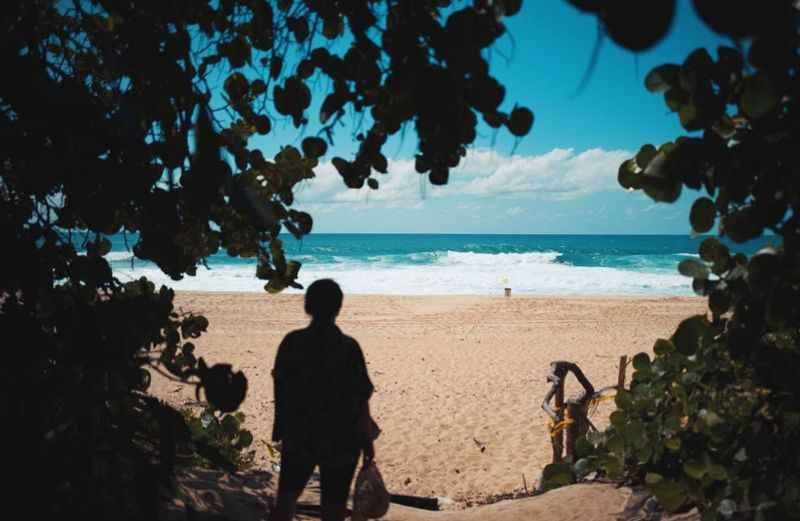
{"x":459,"y":379}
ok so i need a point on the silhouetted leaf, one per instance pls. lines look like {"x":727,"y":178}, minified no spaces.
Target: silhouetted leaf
{"x":693,"y":268}
{"x":520,"y":121}
{"x":758,"y":97}
{"x":662,"y":78}
{"x":702,"y":215}
{"x":690,"y":335}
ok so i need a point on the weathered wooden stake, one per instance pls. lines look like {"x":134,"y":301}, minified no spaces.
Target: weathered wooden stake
{"x":557,"y":413}
{"x":558,"y":440}
{"x":623,"y":365}
{"x":577,"y":412}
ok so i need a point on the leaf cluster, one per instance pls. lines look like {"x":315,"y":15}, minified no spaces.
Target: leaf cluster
{"x":712,"y":420}
{"x":223,"y":433}
{"x":139,"y":118}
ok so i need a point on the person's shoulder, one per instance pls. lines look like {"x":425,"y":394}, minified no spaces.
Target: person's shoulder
{"x":295,"y":337}
{"x":350,"y":342}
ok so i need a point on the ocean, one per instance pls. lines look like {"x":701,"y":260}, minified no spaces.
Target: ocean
{"x":428,"y":264}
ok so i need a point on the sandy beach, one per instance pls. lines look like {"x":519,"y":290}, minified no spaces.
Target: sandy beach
{"x":459,"y":379}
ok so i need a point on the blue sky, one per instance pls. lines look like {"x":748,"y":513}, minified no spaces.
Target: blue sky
{"x":561,"y":178}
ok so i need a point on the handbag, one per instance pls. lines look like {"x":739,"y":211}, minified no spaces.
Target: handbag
{"x":370,"y":497}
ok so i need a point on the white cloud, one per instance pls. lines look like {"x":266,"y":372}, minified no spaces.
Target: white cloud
{"x":556,"y":175}
{"x":515,"y":210}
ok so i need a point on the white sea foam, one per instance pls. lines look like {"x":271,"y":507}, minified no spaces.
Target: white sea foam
{"x":450,"y":273}
{"x":115,"y":256}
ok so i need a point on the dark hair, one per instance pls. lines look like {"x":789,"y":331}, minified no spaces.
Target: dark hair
{"x":323,"y":299}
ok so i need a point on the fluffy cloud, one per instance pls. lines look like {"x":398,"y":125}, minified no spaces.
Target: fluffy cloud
{"x":556,"y":175}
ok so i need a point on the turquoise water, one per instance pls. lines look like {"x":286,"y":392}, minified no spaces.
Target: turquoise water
{"x":460,"y":264}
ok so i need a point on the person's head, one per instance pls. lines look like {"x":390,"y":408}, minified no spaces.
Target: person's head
{"x":323,"y":300}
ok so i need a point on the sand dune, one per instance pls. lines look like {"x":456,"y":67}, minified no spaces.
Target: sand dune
{"x":459,"y":379}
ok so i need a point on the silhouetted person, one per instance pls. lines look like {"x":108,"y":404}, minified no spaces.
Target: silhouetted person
{"x":322,"y":393}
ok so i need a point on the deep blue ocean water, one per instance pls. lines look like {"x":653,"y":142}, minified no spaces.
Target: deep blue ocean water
{"x":460,"y":264}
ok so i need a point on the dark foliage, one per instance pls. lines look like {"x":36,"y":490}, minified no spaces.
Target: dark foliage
{"x":714,"y":419}
{"x":122,"y":116}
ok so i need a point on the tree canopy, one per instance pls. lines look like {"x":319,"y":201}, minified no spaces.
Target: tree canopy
{"x":123,"y":116}
{"x":713,"y":419}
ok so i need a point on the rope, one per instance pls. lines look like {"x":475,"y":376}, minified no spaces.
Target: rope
{"x":594,"y":403}
{"x":273,"y":452}
{"x":558,"y":427}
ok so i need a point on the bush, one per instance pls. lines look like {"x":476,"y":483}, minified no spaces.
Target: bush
{"x":713,"y":420}
{"x":224,"y":433}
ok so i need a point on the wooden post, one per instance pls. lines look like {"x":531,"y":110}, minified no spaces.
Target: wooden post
{"x":558,"y":439}
{"x":557,"y":413}
{"x":623,"y":365}
{"x":576,"y":411}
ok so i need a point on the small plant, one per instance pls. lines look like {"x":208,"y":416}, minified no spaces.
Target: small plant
{"x":222,"y":432}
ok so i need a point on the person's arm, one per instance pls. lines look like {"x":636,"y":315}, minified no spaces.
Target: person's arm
{"x":370,"y":431}
{"x":366,"y":426}
{"x":279,"y":388}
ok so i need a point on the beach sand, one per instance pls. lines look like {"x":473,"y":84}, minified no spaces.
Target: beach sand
{"x":459,"y":379}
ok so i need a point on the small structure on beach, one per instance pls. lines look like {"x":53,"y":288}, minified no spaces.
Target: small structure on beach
{"x":572,"y":416}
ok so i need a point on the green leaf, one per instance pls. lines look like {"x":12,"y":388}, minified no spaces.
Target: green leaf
{"x":641,"y":362}
{"x":627,"y":175}
{"x":380,"y":163}
{"x":520,"y":121}
{"x":645,"y":155}
{"x":230,"y":425}
{"x":702,"y":215}
{"x":717,"y":472}
{"x":583,"y":448}
{"x":262,"y":124}
{"x":611,"y":464}
{"x":741,"y":225}
{"x":332,"y":27}
{"x":662,"y":77}
{"x":635,"y":434}
{"x":103,"y":246}
{"x":693,"y":268}
{"x":245,"y":439}
{"x":236,"y":86}
{"x":689,"y":117}
{"x":659,"y":180}
{"x":699,"y":61}
{"x":694,"y":469}
{"x":712,"y":250}
{"x":616,"y":445}
{"x":670,"y":494}
{"x":675,"y":98}
{"x":673,"y":444}
{"x":556,"y":475}
{"x":314,"y":147}
{"x":643,"y":452}
{"x":692,"y":333}
{"x":758,"y":96}
{"x":663,"y":347}
{"x":709,"y":418}
{"x":624,"y":399}
{"x":652,"y":478}
{"x":618,"y":418}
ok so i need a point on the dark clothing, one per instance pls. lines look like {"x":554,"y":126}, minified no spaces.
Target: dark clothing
{"x":321,"y":389}
{"x":334,"y":478}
